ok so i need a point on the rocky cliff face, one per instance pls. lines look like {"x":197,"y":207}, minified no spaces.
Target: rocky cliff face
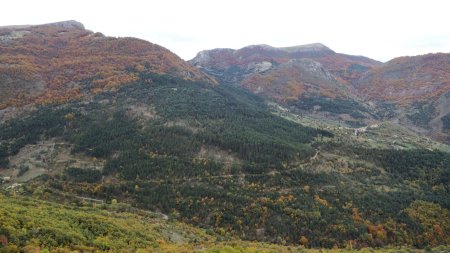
{"x":229,"y":65}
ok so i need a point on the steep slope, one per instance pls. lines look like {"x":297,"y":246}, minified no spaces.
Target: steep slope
{"x":61,"y":61}
{"x":220,"y":157}
{"x":214,"y":156}
{"x":412,"y":91}
{"x":259,"y":58}
{"x":290,"y":75}
{"x":228,"y":60}
{"x":418,"y":87}
{"x":408,"y":79}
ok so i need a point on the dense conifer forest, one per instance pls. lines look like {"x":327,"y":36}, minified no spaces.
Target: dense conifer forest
{"x":216,"y":157}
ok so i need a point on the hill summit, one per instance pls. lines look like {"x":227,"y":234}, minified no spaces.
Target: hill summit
{"x":63,"y":60}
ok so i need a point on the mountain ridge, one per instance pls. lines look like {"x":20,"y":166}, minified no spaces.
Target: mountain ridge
{"x":50,"y":62}
{"x":401,"y":87}
{"x":293,"y":75}
{"x":221,"y":59}
{"x":64,"y":24}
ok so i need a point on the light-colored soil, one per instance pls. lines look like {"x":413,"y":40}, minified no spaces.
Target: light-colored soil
{"x":184,"y":124}
{"x":47,"y":157}
{"x":141,"y":111}
{"x":386,"y":135}
{"x":218,"y":155}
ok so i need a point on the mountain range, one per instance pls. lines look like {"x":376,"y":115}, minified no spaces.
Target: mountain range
{"x":412,"y":91}
{"x":297,"y":147}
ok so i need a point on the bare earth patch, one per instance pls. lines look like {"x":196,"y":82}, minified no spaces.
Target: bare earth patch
{"x":218,"y":155}
{"x":141,"y":111}
{"x":184,"y":124}
{"x":47,"y":157}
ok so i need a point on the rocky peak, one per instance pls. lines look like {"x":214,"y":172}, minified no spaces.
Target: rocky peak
{"x":206,"y":56}
{"x":223,"y":57}
{"x":259,"y":47}
{"x":314,"y":47}
{"x":69,"y":24}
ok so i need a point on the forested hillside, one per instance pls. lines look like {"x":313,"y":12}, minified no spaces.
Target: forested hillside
{"x":312,"y":79}
{"x":84,"y":227}
{"x":216,"y":157}
{"x":62,"y":61}
{"x":124,"y":135}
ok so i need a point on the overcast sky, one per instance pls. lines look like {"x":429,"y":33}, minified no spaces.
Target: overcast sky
{"x":379,"y":29}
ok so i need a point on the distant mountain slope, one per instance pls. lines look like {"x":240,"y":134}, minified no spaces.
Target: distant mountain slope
{"x":412,"y":91}
{"x":417,"y":87}
{"x":293,"y":79}
{"x":405,"y":80}
{"x":306,"y":77}
{"x":60,"y":61}
{"x":258,"y":58}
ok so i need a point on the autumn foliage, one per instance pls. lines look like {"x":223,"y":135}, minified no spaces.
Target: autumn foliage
{"x":405,"y":80}
{"x":55,"y":63}
{"x":293,"y":73}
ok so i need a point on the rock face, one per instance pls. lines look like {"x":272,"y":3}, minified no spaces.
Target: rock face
{"x":290,"y":80}
{"x":238,"y":66}
{"x":55,"y":62}
{"x":223,"y":58}
{"x":290,"y":74}
{"x":69,"y":24}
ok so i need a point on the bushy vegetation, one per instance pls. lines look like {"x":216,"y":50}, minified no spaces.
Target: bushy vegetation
{"x":358,"y":68}
{"x":446,"y":122}
{"x":22,"y":170}
{"x":415,"y":164}
{"x":3,"y":156}
{"x":287,"y":205}
{"x":423,"y":114}
{"x":326,"y":210}
{"x":69,"y":228}
{"x":386,"y":110}
{"x":44,"y":123}
{"x":135,"y":165}
{"x":337,"y":106}
{"x":83,"y":175}
{"x":87,"y":229}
